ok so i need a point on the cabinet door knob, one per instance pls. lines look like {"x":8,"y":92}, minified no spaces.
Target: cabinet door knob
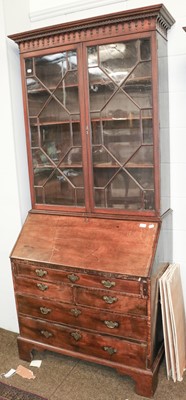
{"x":45,"y":310}
{"x":111,"y":324}
{"x":110,"y":350}
{"x":75,"y":312}
{"x":109,"y":299}
{"x":76,"y":335}
{"x":42,"y":287}
{"x":46,"y":334}
{"x":73,"y":278}
{"x":40,"y":272}
{"x":108,"y":284}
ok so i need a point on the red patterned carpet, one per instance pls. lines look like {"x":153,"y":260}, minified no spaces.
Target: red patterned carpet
{"x":8,"y":392}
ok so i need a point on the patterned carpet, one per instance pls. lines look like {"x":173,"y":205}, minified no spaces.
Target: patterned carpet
{"x":8,"y":392}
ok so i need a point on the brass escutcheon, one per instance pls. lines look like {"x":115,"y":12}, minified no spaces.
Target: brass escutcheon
{"x":40,"y":272}
{"x":45,"y":310}
{"x":75,"y":312}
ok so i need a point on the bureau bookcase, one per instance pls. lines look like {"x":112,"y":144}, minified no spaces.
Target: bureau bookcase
{"x":87,"y":261}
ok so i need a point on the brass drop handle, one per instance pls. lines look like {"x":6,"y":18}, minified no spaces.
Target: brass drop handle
{"x":108,"y":284}
{"x":45,"y":310}
{"x":76,"y":335}
{"x":73,"y":278}
{"x":40,"y":272}
{"x":42,"y":287}
{"x":46,"y":334}
{"x":109,"y":299}
{"x":75,"y":312}
{"x":111,"y":324}
{"x":110,"y":350}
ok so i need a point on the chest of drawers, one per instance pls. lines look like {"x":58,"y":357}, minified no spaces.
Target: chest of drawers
{"x":88,"y":295}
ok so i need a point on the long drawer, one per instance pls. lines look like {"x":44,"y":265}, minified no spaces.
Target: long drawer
{"x":133,"y":327}
{"x":115,"y":301}
{"x":69,"y":275}
{"x":78,"y":340}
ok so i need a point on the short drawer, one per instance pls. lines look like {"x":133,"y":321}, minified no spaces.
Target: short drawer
{"x":68,"y":275}
{"x":105,"y":322}
{"x":114,"y":301}
{"x":78,"y":340}
{"x":44,"y":289}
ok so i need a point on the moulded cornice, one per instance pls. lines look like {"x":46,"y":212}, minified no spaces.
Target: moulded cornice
{"x":144,"y":19}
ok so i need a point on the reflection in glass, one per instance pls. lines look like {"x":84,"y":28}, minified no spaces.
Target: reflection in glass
{"x":117,"y":59}
{"x":53,"y":105}
{"x":120,"y":92}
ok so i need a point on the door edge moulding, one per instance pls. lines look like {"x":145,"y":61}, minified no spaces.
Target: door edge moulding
{"x":66,"y":9}
{"x":143,"y":19}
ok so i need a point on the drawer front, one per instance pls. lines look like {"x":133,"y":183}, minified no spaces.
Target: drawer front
{"x":88,"y":318}
{"x":44,"y":289}
{"x":114,"y":301}
{"x":68,"y":276}
{"x":101,"y":346}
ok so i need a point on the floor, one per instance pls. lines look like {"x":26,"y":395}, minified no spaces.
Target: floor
{"x":65,"y":378}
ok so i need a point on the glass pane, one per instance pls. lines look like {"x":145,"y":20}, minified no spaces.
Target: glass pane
{"x":120,"y":80}
{"x":144,"y":156}
{"x":34,"y":133}
{"x":147,"y":126}
{"x":53,"y":101}
{"x":139,"y":86}
{"x":40,"y":159}
{"x":29,"y":69}
{"x":120,"y":107}
{"x":75,"y":176}
{"x":59,"y":190}
{"x":149,"y":200}
{"x":92,"y":56}
{"x":102,"y":156}
{"x":145,"y":49}
{"x":124,"y":192}
{"x":51,"y":68}
{"x":37,"y":99}
{"x":144,"y":176}
{"x":68,"y":97}
{"x":100,"y":88}
{"x":117,"y":59}
{"x":41,"y":175}
{"x":73,"y":157}
{"x":53,"y":111}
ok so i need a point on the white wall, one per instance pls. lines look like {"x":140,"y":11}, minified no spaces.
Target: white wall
{"x":12,"y":205}
{"x":23,"y":15}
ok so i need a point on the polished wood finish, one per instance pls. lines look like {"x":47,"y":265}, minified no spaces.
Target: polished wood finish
{"x":87,"y":261}
{"x":95,"y":299}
